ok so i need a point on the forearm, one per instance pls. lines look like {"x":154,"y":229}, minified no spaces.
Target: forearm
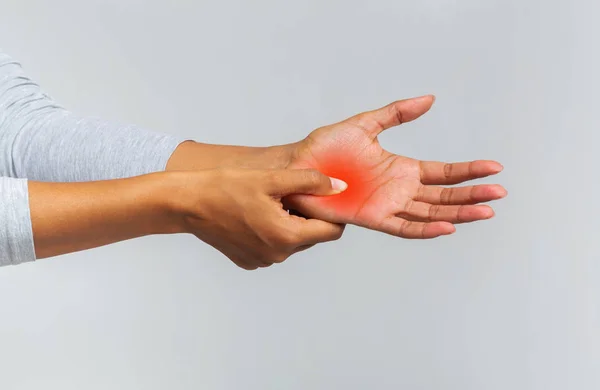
{"x":70,"y":217}
{"x":192,"y":155}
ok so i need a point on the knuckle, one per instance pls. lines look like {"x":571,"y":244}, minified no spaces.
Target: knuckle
{"x":396,"y":113}
{"x":288,"y":238}
{"x":277,"y":257}
{"x":313,"y":177}
{"x":404,"y":229}
{"x":421,"y":193}
{"x":446,"y":196}
{"x":273,"y":178}
{"x":367,"y":122}
{"x":459,"y":214}
{"x":408,"y":205}
{"x":434,"y":211}
{"x":471,"y":197}
{"x":241,"y":264}
{"x":281,"y":237}
{"x":248,"y":267}
{"x":447,"y":170}
{"x":471,"y":168}
{"x":338,"y":234}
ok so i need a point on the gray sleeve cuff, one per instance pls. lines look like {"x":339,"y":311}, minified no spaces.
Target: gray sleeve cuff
{"x":16,"y":234}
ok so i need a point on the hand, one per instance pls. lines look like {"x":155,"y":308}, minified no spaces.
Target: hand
{"x":386,"y":192}
{"x":239,"y":212}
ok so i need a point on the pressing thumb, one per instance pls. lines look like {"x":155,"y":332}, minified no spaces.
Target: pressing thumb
{"x":338,"y":185}
{"x":306,"y":181}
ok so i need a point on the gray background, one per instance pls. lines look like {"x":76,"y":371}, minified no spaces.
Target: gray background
{"x":510,"y":303}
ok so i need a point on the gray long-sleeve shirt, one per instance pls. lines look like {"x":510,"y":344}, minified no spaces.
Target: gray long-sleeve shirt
{"x":40,"y":140}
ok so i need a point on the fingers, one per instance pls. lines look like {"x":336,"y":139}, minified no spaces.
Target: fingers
{"x":265,"y":233}
{"x":302,"y":248}
{"x":433,"y":172}
{"x":415,"y":230}
{"x":394,"y":114}
{"x":460,"y":195}
{"x":314,"y":231}
{"x":244,"y":259}
{"x":294,"y":232}
{"x":292,"y":236}
{"x":425,"y":212}
{"x":303,"y":181}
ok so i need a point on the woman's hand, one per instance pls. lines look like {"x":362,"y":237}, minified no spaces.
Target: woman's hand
{"x":239,"y":212}
{"x":393,"y":194}
{"x":398,"y":195}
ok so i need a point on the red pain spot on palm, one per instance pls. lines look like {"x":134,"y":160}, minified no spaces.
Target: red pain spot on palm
{"x":360,"y":183}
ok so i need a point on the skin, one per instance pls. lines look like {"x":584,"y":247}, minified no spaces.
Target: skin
{"x":258,"y":206}
{"x":393,"y":194}
{"x":240,"y":213}
{"x":86,"y":215}
{"x":237,"y":211}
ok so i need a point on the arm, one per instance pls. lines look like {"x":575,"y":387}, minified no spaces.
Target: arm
{"x":71,"y":217}
{"x":398,"y":195}
{"x":43,"y":219}
{"x":239,"y":212}
{"x":40,"y":140}
{"x":389,"y":193}
{"x":43,"y":142}
{"x":192,"y":155}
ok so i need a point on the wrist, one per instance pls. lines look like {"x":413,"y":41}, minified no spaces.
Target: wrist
{"x":173,"y":195}
{"x":275,"y":157}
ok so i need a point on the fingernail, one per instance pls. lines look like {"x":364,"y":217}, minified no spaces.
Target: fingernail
{"x":498,"y":168}
{"x":425,"y":97}
{"x":338,"y":185}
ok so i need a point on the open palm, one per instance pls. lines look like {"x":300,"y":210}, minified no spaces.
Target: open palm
{"x":386,"y":192}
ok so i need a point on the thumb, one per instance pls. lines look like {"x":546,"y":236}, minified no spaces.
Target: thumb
{"x":304,"y":181}
{"x":394,"y":114}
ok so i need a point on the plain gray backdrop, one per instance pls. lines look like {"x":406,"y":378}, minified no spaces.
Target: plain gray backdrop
{"x":511,"y":303}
